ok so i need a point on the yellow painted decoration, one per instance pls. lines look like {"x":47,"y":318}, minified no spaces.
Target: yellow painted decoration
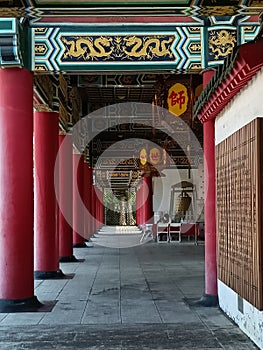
{"x":84,"y":47}
{"x":155,"y":155}
{"x":147,"y":48}
{"x":222,"y":43}
{"x":89,"y":48}
{"x":177,"y":99}
{"x":143,"y":156}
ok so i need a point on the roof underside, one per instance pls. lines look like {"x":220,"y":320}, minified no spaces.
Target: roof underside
{"x":97,"y":91}
{"x":77,"y":9}
{"x":229,"y":79}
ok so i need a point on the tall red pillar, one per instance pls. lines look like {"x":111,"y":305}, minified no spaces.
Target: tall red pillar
{"x":93,"y":210}
{"x":148,"y":206}
{"x":139,"y":205}
{"x":16,"y":190}
{"x":65,"y":232}
{"x":96,"y":209}
{"x":78,"y":204}
{"x":210,"y":209}
{"x":45,"y":203}
{"x":101,"y":205}
{"x":97,"y":197}
{"x":210,"y":297}
{"x":144,"y":211}
{"x":88,"y":200}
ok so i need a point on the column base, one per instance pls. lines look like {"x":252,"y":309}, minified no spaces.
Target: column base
{"x":79,"y":245}
{"x":208,"y":300}
{"x":20,"y":305}
{"x":44,"y":275}
{"x":71,"y":258}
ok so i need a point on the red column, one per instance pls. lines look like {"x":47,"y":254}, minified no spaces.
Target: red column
{"x":139,"y":204}
{"x":78,"y":205}
{"x":88,"y":200}
{"x":144,"y":211}
{"x":16,"y":190}
{"x":210,"y":209}
{"x":148,"y":206}
{"x":93,"y":210}
{"x":45,"y":203}
{"x":89,"y":220}
{"x":65,"y":200}
{"x":210,"y":298}
{"x":101,"y":208}
{"x":97,"y":207}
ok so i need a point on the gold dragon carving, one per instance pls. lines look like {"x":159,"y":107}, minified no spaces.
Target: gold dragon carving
{"x":86,"y":48}
{"x":147,"y":48}
{"x":119,"y":47}
{"x":222,"y":43}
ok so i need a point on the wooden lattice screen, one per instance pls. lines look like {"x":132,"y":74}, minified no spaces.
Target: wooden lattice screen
{"x":239,"y":212}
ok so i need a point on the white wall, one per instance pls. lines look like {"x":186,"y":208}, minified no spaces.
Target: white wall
{"x":245,"y":107}
{"x":162,"y":187}
{"x":249,"y":320}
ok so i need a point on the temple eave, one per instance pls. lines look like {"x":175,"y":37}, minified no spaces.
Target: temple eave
{"x":224,"y":87}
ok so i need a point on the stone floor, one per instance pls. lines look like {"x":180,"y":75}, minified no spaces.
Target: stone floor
{"x":130,"y":298}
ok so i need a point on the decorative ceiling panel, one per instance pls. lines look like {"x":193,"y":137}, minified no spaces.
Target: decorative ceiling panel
{"x":58,"y":49}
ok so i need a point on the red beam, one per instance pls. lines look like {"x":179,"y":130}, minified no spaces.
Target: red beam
{"x":121,"y":19}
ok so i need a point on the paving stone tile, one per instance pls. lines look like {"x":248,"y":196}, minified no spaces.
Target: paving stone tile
{"x":125,"y":299}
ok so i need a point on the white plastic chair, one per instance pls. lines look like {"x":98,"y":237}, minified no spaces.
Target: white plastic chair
{"x":174,"y":231}
{"x":162,"y":230}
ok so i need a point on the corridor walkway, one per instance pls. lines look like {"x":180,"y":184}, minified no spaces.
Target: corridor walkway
{"x":132,"y":298}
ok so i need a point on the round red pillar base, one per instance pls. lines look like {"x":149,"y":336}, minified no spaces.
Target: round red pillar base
{"x":20,"y":305}
{"x":68,"y":259}
{"x":16,"y":191}
{"x":79,"y":245}
{"x":46,"y":275}
{"x":208,"y":300}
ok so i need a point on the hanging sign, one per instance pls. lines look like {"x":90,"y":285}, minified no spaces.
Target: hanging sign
{"x":143,"y":156}
{"x":177,"y":99}
{"x":155,"y":155}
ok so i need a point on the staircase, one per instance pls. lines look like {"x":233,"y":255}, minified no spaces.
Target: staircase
{"x":118,"y":236}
